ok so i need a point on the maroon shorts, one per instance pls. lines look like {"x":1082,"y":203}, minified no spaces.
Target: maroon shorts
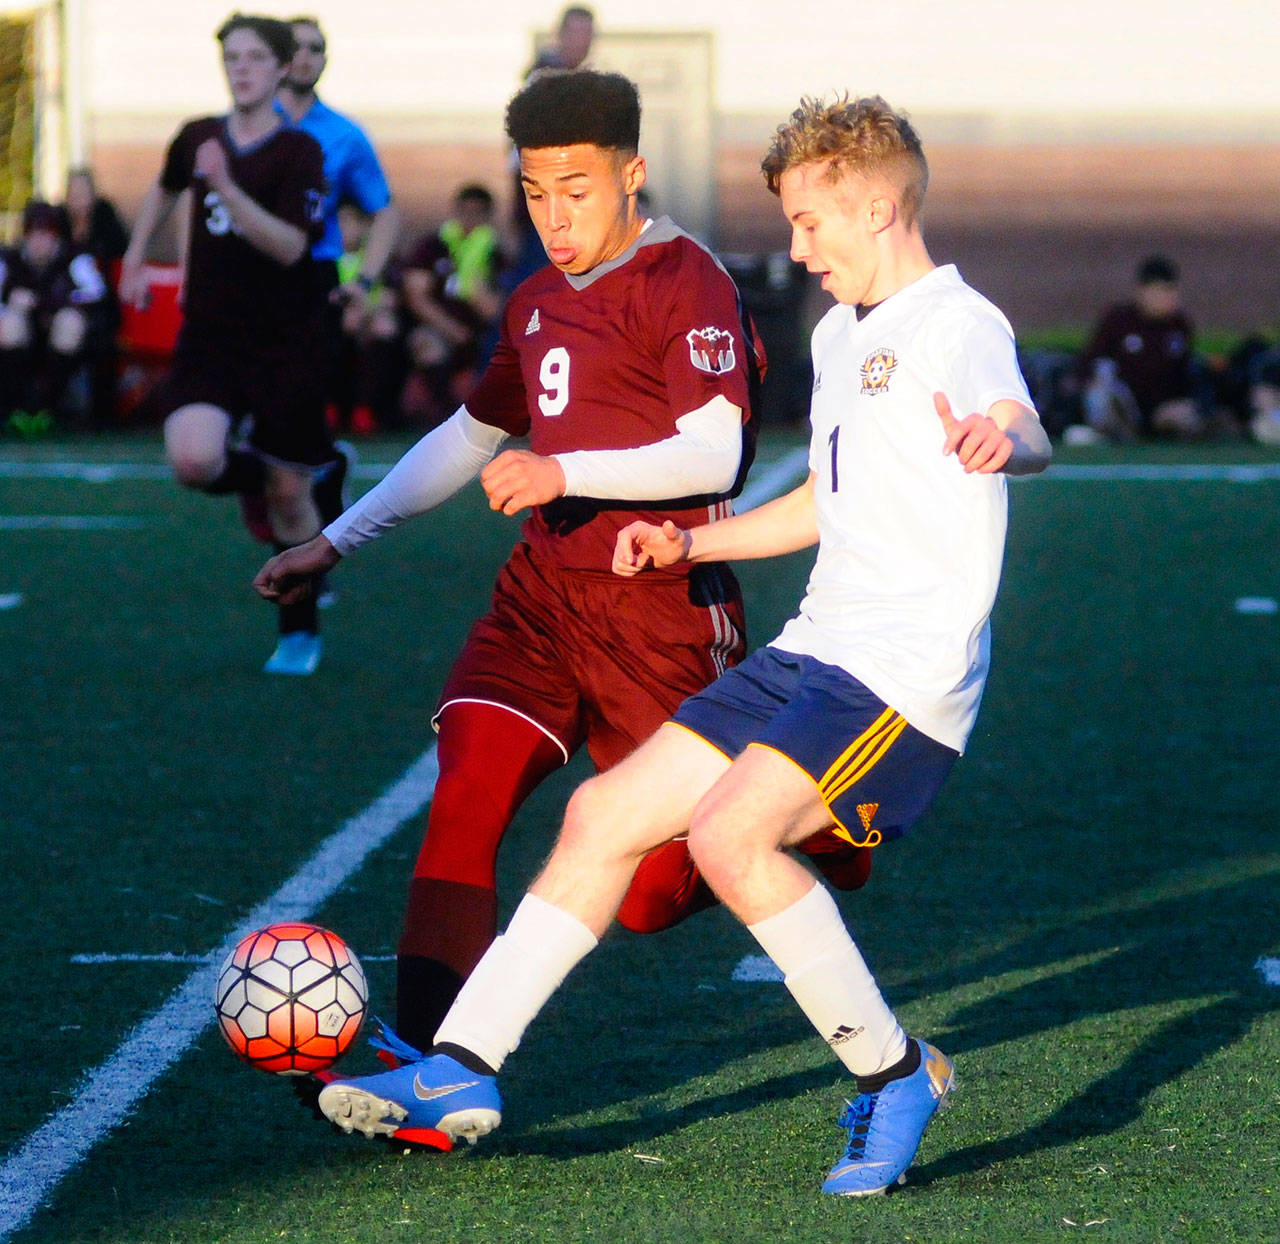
{"x":597,"y":658}
{"x":275,"y":398}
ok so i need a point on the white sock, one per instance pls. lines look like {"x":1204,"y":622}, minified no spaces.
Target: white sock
{"x":514,"y":979}
{"x":829,"y":979}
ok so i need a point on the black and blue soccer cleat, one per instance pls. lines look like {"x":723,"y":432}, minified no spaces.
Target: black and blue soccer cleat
{"x":885,"y":1127}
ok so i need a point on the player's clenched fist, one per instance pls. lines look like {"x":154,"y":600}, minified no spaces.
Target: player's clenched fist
{"x":211,"y":164}
{"x":517,"y":478}
{"x":977,"y":440}
{"x":288,"y":576}
{"x":642,"y":544}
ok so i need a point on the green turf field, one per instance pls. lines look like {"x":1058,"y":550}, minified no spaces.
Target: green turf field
{"x":1078,"y":921}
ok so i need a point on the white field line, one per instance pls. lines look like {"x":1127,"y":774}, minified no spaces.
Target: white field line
{"x":107,"y":1093}
{"x":1149,"y":472}
{"x":755,"y":969}
{"x":773,"y":480}
{"x":68,"y":522}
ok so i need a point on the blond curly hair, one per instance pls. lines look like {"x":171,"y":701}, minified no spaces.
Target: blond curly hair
{"x":865,"y":137}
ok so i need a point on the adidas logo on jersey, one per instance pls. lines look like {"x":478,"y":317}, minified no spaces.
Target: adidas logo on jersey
{"x":533,"y":325}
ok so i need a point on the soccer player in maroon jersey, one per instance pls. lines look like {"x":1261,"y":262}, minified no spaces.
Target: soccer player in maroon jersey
{"x":632,"y":369}
{"x":243,"y":400}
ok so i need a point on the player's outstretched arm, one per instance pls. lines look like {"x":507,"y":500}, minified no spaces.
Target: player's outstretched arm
{"x":156,"y":205}
{"x":430,"y":472}
{"x":642,"y":544}
{"x":288,"y":576}
{"x":1008,"y":438}
{"x":783,"y":525}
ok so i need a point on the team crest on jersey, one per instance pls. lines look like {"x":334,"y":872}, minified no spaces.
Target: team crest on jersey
{"x":876,"y":369}
{"x":711,"y":350}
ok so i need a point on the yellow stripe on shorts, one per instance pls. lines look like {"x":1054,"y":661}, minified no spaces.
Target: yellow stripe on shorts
{"x":862,"y":755}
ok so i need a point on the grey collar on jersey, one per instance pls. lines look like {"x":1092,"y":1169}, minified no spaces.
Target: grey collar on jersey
{"x":664,"y":229}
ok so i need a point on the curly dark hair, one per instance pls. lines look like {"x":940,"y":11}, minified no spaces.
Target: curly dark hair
{"x":560,"y":108}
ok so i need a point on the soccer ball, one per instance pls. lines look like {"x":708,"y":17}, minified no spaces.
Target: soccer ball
{"x":291,"y":998}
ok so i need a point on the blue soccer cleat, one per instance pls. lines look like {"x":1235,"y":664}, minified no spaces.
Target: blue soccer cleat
{"x":437,"y":1094}
{"x":298,"y":652}
{"x":885,"y":1127}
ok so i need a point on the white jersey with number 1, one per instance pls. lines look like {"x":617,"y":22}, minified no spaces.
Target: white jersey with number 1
{"x":910,"y":545}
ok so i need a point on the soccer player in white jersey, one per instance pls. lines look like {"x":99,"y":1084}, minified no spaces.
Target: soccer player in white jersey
{"x":851,"y":719}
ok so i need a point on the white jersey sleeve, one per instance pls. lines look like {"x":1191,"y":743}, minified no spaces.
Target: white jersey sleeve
{"x":432,"y":471}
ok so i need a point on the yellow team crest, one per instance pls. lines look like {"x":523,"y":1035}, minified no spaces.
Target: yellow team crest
{"x":876,"y":369}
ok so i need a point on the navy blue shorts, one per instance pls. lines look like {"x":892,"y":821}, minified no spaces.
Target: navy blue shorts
{"x":876,"y":773}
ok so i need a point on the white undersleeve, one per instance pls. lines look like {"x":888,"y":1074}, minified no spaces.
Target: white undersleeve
{"x":432,"y":471}
{"x":702,"y":458}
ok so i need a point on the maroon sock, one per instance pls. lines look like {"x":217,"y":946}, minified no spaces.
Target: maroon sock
{"x":490,"y":759}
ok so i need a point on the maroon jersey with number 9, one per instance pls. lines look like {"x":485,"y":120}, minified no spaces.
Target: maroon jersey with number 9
{"x":610,"y":360}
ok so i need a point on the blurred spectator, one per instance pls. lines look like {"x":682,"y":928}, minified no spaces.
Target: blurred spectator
{"x":572,"y":45}
{"x":1137,"y":368}
{"x":450,"y":300}
{"x":54,"y":320}
{"x":1262,"y":388}
{"x":568,"y":50}
{"x":92,"y":223}
{"x":370,"y":370}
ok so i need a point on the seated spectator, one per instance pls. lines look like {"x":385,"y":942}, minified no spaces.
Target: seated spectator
{"x":1136,"y":369}
{"x":54,"y":320}
{"x":1262,"y":389}
{"x":91,"y":223}
{"x":370,"y":371}
{"x":450,"y":301}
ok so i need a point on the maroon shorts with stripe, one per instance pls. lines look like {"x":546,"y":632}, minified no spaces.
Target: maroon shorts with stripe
{"x":595,"y":658}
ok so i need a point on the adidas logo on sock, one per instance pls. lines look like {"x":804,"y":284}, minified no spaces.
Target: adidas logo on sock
{"x":845,"y":1033}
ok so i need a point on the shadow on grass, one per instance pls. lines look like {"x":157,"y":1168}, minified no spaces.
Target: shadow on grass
{"x":1170,"y":953}
{"x":1118,"y":1098}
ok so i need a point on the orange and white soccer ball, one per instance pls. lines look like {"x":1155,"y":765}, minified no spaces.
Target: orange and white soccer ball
{"x":291,"y":998}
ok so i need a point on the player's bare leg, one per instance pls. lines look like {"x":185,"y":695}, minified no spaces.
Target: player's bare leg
{"x":739,"y":838}
{"x":615,"y":818}
{"x":294,"y":519}
{"x":611,"y":822}
{"x":195,"y":443}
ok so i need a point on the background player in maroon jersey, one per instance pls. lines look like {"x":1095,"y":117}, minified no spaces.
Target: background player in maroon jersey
{"x":244,"y":400}
{"x":629,"y":364}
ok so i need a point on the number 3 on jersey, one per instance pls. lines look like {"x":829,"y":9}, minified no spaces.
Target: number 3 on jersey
{"x":554,"y":377}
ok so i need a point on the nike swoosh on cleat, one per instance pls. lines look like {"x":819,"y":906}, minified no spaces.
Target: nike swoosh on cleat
{"x":423,"y":1093}
{"x":856,"y":1166}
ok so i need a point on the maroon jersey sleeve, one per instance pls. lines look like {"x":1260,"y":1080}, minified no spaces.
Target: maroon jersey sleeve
{"x":499,"y":399}
{"x":299,"y":191}
{"x":701,"y":346}
{"x":179,"y":160}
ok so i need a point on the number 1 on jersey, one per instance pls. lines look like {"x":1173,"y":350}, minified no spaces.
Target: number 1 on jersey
{"x":554,"y":377}
{"x":834,"y":441}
